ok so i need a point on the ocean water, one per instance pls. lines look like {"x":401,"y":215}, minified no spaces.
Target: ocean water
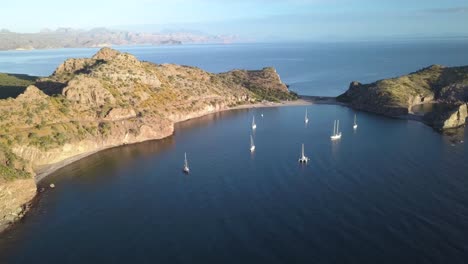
{"x":392,"y":191}
{"x":309,"y":68}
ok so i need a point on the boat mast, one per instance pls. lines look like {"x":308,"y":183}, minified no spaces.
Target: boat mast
{"x":302,"y":150}
{"x":337,"y":126}
{"x":251,"y":141}
{"x":185,"y":161}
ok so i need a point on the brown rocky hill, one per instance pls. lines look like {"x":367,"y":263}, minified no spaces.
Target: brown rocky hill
{"x":111,"y":99}
{"x":445,"y":86}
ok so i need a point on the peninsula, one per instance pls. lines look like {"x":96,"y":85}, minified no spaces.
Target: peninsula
{"x":444,"y":90}
{"x":111,"y":99}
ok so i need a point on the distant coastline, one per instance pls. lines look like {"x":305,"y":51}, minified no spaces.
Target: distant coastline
{"x":100,"y":37}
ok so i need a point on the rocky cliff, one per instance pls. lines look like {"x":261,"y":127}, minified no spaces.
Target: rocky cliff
{"x":108,"y":100}
{"x":447,"y":86}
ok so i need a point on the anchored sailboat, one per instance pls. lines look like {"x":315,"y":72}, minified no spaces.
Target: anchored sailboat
{"x":254,"y":126}
{"x":336,"y":134}
{"x":252,"y":145}
{"x":303,"y":158}
{"x":186,"y":166}
{"x":306,"y":118}
{"x":355,"y":123}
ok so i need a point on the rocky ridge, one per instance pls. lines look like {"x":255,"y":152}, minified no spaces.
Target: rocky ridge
{"x":445,"y":86}
{"x":109,"y":100}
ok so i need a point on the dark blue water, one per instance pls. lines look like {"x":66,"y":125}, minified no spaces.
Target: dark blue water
{"x":393,"y":191}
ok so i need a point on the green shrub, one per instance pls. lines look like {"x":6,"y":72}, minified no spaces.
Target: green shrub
{"x":104,"y":128}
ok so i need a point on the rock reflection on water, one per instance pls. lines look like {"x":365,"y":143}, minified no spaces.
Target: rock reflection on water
{"x":211,"y":118}
{"x":455,"y":135}
{"x":109,"y":160}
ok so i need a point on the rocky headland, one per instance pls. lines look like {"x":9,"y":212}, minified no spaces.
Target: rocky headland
{"x":445,"y":89}
{"x":111,"y":99}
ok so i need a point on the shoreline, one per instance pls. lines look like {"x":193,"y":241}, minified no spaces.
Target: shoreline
{"x":303,"y":100}
{"x":46,"y":170}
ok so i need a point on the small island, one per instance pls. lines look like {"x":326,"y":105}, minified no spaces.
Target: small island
{"x":436,"y":95}
{"x":111,"y":99}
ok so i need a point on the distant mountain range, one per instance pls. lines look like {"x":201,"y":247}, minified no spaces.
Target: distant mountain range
{"x":101,"y":37}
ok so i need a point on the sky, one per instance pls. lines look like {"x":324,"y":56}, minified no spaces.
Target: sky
{"x":249,"y":19}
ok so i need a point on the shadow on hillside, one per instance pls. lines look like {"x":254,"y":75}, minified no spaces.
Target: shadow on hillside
{"x":50,"y":87}
{"x":11,"y":91}
{"x":23,"y":76}
{"x":12,"y":85}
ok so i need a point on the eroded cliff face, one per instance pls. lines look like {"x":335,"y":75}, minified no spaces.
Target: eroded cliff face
{"x":395,"y":97}
{"x":453,"y":117}
{"x":112,"y":99}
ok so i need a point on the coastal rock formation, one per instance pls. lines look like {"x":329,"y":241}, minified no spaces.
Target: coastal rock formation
{"x":396,"y":97}
{"x":112,"y":99}
{"x":453,"y":117}
{"x":14,"y":198}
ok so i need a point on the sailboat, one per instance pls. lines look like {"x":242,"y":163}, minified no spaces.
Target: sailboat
{"x":262,"y":114}
{"x":355,"y":123}
{"x":303,"y":158}
{"x":336,"y":134}
{"x":306,"y":118}
{"x":186,"y":168}
{"x":254,"y":126}
{"x":252,"y":145}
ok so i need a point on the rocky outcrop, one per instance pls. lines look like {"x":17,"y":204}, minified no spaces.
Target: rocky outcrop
{"x":452,"y":118}
{"x":31,"y":94}
{"x":455,"y":93}
{"x":14,"y":200}
{"x":368,"y":98}
{"x":106,"y":54}
{"x":87,"y":92}
{"x":396,"y":97}
{"x":120,"y":113}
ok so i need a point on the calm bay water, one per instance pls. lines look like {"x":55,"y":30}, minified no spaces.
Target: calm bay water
{"x":393,"y":191}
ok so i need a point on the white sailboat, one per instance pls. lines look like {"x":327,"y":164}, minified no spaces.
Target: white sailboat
{"x":306,"y":118}
{"x":303,"y":158}
{"x":262,"y":114}
{"x":252,"y":145}
{"x":336,"y":134}
{"x":355,"y":123}
{"x":186,"y":166}
{"x":254,"y":126}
